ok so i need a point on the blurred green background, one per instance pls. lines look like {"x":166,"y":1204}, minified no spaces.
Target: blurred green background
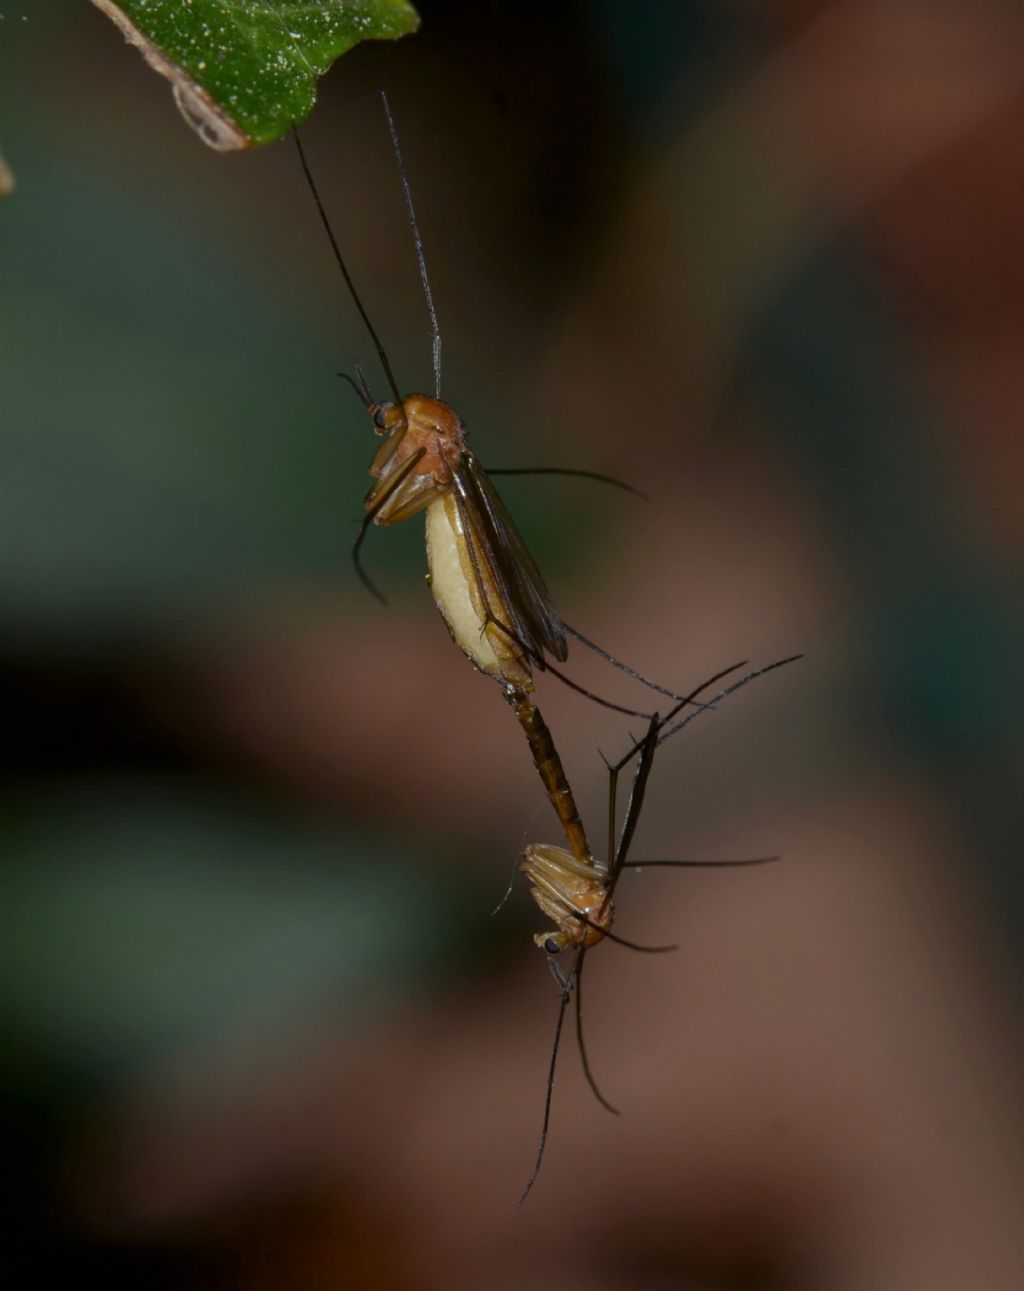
{"x":763,"y":261}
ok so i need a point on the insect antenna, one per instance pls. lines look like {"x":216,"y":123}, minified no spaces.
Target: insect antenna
{"x":360,"y":387}
{"x":421,"y":258}
{"x":546,"y":1120}
{"x":382,"y":353}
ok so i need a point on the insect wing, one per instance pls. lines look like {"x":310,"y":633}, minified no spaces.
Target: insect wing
{"x":502,"y":602}
{"x":535,"y":618}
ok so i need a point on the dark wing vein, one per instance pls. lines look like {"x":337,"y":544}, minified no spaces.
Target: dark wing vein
{"x":480,"y":543}
{"x":534,"y":618}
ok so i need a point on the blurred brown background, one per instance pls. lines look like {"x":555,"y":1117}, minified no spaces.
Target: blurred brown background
{"x":764,"y":260}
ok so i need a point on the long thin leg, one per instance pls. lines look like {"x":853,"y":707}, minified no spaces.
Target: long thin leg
{"x":722,"y":694}
{"x":597,"y":699}
{"x":547,"y":666}
{"x":648,"y":747}
{"x":563,"y":1003}
{"x":368,"y":519}
{"x":656,"y":735}
{"x":569,"y":470}
{"x":481,"y":509}
{"x":621,"y":941}
{"x":726,"y":864}
{"x":637,"y":745}
{"x":624,"y":667}
{"x":364,"y":577}
{"x":579,"y":1039}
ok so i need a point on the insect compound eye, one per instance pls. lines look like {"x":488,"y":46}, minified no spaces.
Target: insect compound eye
{"x":552,"y":946}
{"x":380,"y":417}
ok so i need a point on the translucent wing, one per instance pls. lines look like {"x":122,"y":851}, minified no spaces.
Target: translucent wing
{"x":499,"y":543}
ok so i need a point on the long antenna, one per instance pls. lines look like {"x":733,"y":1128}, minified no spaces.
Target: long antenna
{"x":385,"y":364}
{"x":421,"y":258}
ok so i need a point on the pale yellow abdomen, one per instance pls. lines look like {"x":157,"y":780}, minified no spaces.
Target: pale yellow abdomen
{"x":453,"y":582}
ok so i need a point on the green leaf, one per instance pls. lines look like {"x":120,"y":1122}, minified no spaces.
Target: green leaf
{"x":242,"y":71}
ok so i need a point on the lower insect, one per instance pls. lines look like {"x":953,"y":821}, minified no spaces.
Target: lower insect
{"x":576,"y":893}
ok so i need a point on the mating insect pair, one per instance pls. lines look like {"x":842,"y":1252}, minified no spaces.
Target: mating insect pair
{"x":484,"y":580}
{"x":498,"y":610}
